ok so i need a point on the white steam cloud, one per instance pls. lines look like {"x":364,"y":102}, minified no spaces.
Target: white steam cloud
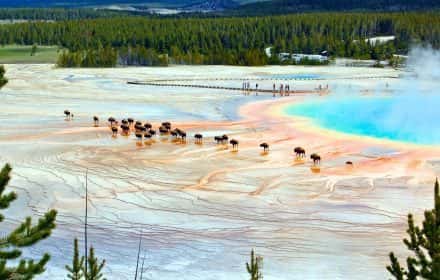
{"x":415,"y":110}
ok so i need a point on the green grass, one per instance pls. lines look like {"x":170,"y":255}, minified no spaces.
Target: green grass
{"x":11,"y":54}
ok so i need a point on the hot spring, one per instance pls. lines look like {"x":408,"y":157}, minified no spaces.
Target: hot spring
{"x":407,"y":118}
{"x":408,"y":111}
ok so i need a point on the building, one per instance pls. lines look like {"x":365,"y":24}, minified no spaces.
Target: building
{"x":298,"y":57}
{"x":284,"y":56}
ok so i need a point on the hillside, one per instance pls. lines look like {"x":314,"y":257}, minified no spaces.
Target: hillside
{"x":82,"y":3}
{"x":228,"y":7}
{"x":200,"y":4}
{"x":236,"y":7}
{"x":212,"y":5}
{"x":293,"y":6}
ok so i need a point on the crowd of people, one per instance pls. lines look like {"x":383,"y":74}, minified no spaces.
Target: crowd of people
{"x":282,"y":89}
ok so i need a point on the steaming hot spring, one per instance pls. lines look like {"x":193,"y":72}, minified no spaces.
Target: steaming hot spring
{"x":406,"y":112}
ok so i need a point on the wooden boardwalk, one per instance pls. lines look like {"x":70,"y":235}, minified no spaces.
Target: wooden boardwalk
{"x":248,"y":91}
{"x":183,"y":83}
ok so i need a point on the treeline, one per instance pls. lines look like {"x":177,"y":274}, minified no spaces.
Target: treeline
{"x":235,"y":40}
{"x":141,"y":56}
{"x":101,"y":57}
{"x":109,"y":57}
{"x":245,"y":57}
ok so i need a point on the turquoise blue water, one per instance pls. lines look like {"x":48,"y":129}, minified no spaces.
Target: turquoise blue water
{"x":296,"y":76}
{"x":413,"y":119}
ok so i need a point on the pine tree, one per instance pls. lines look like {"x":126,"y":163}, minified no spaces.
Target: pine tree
{"x":424,"y":243}
{"x":23,"y":236}
{"x":33,"y":49}
{"x":3,"y":80}
{"x":75,"y":271}
{"x":94,"y":267}
{"x":254,"y":267}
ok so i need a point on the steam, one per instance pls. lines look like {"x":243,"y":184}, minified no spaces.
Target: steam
{"x":415,"y":109}
{"x":408,"y":110}
{"x":425,"y":63}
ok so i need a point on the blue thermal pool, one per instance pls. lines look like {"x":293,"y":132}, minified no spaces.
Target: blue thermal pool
{"x":411,"y":119}
{"x":296,"y":76}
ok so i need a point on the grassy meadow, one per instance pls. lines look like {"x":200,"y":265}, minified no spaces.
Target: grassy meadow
{"x":11,"y":54}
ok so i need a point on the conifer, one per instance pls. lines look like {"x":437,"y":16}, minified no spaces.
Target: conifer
{"x":24,"y":235}
{"x":76,"y":270}
{"x":3,"y":80}
{"x":95,"y":267}
{"x":424,"y":242}
{"x":253,"y":268}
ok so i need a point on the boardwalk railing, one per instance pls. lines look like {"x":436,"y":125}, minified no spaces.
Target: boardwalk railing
{"x":247,"y":90}
{"x":357,"y":77}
